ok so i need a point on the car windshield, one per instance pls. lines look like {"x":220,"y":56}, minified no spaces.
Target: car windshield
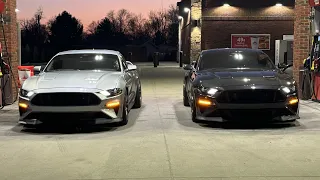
{"x":84,"y":62}
{"x":235,"y":59}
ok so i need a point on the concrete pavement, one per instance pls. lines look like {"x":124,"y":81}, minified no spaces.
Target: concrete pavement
{"x":162,"y":143}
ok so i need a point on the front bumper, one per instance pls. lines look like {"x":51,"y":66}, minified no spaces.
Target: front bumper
{"x":31,"y":114}
{"x":267,"y":112}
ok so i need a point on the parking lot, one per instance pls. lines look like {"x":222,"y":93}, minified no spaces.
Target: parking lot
{"x":161,"y":142}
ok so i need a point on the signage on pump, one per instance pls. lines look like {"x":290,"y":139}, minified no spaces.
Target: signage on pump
{"x":314,"y":3}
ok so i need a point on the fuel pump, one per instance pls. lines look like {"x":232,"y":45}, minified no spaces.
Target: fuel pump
{"x":6,"y":74}
{"x":313,"y":65}
{"x":1,"y":74}
{"x":314,"y":68}
{"x":1,"y":60}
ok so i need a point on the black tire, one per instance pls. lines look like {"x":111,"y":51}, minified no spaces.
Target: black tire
{"x":138,"y":99}
{"x":194,"y":114}
{"x":29,"y":126}
{"x":185,"y":98}
{"x":125,"y":112}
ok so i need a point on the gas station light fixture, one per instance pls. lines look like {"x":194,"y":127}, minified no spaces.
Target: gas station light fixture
{"x":226,"y":5}
{"x":279,"y":4}
{"x":186,"y":10}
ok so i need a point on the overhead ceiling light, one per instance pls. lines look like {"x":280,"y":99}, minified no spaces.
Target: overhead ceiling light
{"x":279,"y":4}
{"x":226,"y":5}
{"x":186,"y":10}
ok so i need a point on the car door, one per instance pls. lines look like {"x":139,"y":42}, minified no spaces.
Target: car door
{"x":128,"y":76}
{"x":191,"y":78}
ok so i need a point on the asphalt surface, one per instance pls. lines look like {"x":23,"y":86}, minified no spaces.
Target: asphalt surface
{"x":162,"y":143}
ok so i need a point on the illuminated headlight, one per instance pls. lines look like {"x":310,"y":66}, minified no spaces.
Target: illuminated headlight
{"x":111,"y":92}
{"x":105,"y":93}
{"x":288,"y":90}
{"x":26,"y":94}
{"x":212,"y":91}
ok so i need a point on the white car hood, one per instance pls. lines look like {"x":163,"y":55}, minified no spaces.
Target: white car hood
{"x":101,"y":80}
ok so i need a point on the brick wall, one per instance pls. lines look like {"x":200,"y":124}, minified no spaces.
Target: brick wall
{"x":195,"y":36}
{"x":213,"y":37}
{"x":11,"y":34}
{"x":241,"y":17}
{"x":301,"y":45}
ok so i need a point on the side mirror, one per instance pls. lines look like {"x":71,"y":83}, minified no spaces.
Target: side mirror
{"x":37,"y":69}
{"x":281,"y":66}
{"x":132,"y":67}
{"x":129,"y":63}
{"x":187,"y":67}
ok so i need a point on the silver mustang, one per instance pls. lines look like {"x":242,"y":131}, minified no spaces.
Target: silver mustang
{"x":97,"y":86}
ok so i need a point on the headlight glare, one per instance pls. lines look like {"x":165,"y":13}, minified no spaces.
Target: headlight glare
{"x":285,"y":90}
{"x":105,"y":93}
{"x":25,"y":93}
{"x":111,"y":92}
{"x":288,"y":90}
{"x":212,"y":91}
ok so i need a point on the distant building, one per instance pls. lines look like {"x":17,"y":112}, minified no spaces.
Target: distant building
{"x":145,"y":52}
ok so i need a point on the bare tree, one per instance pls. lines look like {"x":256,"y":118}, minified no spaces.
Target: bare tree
{"x":34,"y":35}
{"x":120,"y":20}
{"x":35,"y":20}
{"x":135,"y":25}
{"x":158,"y":21}
{"x":112,"y":18}
{"x":123,"y":17}
{"x":172,"y":14}
{"x":92,"y":27}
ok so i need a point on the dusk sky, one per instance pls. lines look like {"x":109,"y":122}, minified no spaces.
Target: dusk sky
{"x":88,"y":10}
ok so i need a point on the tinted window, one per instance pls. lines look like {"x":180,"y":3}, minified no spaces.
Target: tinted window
{"x":84,"y":62}
{"x":235,"y":59}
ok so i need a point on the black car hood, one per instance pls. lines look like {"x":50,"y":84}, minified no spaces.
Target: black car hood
{"x":243,"y":77}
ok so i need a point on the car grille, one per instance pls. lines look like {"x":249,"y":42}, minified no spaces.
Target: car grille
{"x":65,"y":99}
{"x":251,"y":96}
{"x":257,"y":114}
{"x":67,"y":116}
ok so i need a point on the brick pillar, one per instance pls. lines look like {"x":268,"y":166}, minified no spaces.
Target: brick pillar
{"x":195,"y":37}
{"x":301,"y":47}
{"x":11,"y":33}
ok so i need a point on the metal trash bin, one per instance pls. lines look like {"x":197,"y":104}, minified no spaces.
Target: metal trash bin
{"x":156,"y":59}
{"x":6,"y":83}
{"x":305,"y":89}
{"x":181,"y":60}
